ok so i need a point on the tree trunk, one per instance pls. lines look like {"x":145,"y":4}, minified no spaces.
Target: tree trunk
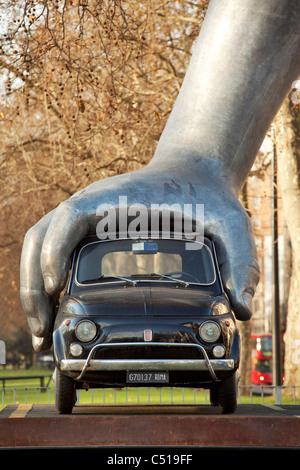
{"x":245,"y":327}
{"x":287,"y":128}
{"x":245,"y":359}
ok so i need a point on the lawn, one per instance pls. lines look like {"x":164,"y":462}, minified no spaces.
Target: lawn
{"x":33,"y":371}
{"x":20,"y":391}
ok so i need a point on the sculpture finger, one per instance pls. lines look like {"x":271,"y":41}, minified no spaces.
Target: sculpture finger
{"x":69,"y":225}
{"x":238,"y":262}
{"x":37,"y":304}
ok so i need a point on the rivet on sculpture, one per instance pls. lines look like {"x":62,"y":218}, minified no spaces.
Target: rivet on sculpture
{"x":242,"y":67}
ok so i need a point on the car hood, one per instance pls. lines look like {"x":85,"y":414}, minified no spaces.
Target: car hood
{"x":141,"y":301}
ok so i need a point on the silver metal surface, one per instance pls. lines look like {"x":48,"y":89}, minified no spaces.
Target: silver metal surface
{"x":175,"y":364}
{"x":146,"y":364}
{"x":83,"y":365}
{"x":242,"y":67}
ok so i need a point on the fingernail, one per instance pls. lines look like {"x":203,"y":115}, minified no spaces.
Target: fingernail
{"x":247,"y":298}
{"x":49,"y":284}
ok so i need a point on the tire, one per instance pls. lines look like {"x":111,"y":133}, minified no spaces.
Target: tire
{"x":65,"y":393}
{"x":214,"y":396}
{"x":228,"y":394}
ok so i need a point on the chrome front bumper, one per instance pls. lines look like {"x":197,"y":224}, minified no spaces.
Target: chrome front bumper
{"x":99,"y":365}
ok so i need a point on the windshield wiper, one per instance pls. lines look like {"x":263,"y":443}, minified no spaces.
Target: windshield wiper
{"x":110,"y":276}
{"x":185,"y":283}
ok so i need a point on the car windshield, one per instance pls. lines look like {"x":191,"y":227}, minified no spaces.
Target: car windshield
{"x":165,"y":260}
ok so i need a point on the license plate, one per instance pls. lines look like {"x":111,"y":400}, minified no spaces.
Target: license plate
{"x":147,"y":377}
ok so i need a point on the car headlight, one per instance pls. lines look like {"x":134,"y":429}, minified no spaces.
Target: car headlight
{"x":86,"y":330}
{"x":76,"y":349}
{"x":209,"y":331}
{"x":219,"y":351}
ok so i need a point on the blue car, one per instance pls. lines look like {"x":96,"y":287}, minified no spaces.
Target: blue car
{"x":146,"y":312}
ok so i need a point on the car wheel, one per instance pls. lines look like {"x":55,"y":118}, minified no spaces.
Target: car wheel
{"x":214,"y":396}
{"x":65,"y":393}
{"x":228,"y":394}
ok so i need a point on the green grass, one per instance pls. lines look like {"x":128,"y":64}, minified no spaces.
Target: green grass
{"x":144,"y":395}
{"x":20,"y":391}
{"x":29,"y":391}
{"x":33,"y":371}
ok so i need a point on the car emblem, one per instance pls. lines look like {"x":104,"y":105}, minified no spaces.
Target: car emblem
{"x":147,"y":335}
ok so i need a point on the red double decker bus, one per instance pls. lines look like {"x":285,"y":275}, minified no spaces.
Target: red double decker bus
{"x":261,"y":371}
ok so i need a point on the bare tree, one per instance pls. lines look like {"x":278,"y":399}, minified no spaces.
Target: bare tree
{"x":86,"y":88}
{"x":287,"y":125}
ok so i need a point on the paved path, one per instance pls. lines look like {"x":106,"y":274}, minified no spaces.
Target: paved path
{"x":252,"y":426}
{"x":44,"y":411}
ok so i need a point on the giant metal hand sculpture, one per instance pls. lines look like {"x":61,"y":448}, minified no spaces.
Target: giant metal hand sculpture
{"x":243,"y":65}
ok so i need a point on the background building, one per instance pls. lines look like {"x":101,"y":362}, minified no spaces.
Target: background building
{"x":259,"y":205}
